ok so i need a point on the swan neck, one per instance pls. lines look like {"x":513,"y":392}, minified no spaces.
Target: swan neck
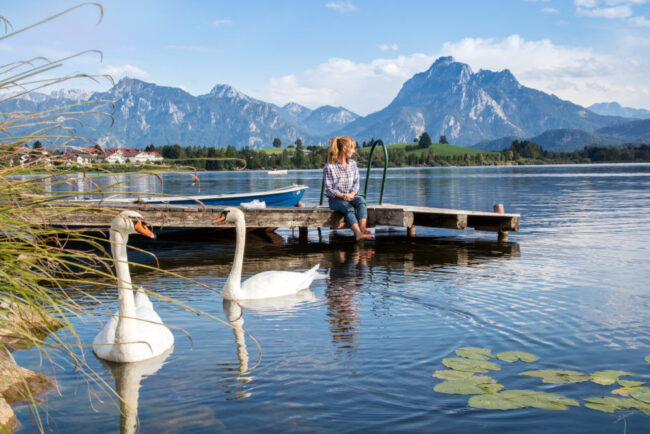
{"x":233,"y":284}
{"x":126,"y":322}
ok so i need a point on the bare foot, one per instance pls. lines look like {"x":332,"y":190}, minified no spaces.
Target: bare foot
{"x":341,"y":225}
{"x":364,"y":237}
{"x":366,"y":231}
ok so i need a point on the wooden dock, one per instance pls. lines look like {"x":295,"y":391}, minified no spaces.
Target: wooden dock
{"x":99,"y":215}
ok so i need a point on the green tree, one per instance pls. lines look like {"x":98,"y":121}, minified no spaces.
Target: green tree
{"x":443,"y":140}
{"x":425,"y":141}
{"x":277,"y":143}
{"x":298,"y":144}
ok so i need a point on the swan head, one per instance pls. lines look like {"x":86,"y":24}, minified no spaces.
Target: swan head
{"x":131,"y":222}
{"x":230,"y":214}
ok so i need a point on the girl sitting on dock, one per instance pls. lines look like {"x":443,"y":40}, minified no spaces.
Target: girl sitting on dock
{"x":342,"y":186}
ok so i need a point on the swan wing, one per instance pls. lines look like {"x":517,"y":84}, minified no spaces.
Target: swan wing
{"x":271,"y":284}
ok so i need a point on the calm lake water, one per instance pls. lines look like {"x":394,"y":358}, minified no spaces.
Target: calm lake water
{"x":357,"y":352}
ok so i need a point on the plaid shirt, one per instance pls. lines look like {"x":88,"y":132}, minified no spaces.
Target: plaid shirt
{"x":340,"y":180}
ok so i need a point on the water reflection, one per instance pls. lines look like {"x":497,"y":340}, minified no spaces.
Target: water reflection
{"x":127,"y":385}
{"x":234,"y":310}
{"x":346,"y":280}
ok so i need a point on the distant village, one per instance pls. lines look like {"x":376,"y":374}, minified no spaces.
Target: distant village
{"x":86,"y":157}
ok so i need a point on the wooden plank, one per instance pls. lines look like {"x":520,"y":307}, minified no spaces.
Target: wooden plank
{"x":185,"y":216}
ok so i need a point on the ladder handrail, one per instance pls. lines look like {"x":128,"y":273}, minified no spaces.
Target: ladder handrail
{"x":383,"y":180}
{"x":365,"y":189}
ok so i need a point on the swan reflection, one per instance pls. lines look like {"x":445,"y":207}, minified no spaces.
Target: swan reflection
{"x":267,"y":306}
{"x":127,"y":385}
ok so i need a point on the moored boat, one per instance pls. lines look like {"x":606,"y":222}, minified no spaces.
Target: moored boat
{"x":286,"y":196}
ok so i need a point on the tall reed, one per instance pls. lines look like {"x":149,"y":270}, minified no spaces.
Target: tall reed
{"x":45,"y":272}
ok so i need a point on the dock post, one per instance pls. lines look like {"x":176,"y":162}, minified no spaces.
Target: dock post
{"x":410,"y":231}
{"x":503,"y":235}
{"x":303,"y":232}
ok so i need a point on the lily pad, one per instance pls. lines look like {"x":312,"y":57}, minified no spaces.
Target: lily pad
{"x":536,"y":399}
{"x":513,"y":356}
{"x":475,"y":353}
{"x":465,"y":387}
{"x":493,"y":401}
{"x":557,"y":376}
{"x":601,"y":407}
{"x":610,"y":404}
{"x":625,"y":391}
{"x":452,"y":374}
{"x":470,"y":365}
{"x":641,"y":394}
{"x":610,"y":401}
{"x":607,"y":377}
{"x":491,"y":388}
{"x":630,"y":383}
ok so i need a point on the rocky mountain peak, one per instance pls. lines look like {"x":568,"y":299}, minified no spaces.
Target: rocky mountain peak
{"x":129,"y":85}
{"x":446,"y":69}
{"x":503,"y":78}
{"x":226,"y":91}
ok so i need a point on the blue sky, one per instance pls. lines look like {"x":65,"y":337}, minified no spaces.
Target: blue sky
{"x":355,"y":54}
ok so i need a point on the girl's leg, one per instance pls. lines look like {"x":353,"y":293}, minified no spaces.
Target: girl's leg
{"x":359,"y":203}
{"x":348,"y":210}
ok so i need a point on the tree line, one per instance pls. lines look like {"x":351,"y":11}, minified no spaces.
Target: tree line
{"x":314,"y":157}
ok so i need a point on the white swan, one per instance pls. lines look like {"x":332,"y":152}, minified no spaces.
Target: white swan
{"x":268,"y":284}
{"x":136,"y":332}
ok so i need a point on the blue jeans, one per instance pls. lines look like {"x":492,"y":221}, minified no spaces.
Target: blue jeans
{"x":350,"y":210}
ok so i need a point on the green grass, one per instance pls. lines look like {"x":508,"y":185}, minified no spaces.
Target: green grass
{"x":443,"y":150}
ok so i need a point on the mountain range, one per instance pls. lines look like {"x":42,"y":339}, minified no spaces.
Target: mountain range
{"x":447,"y":99}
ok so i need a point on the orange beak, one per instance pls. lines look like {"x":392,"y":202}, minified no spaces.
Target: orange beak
{"x":221,"y":218}
{"x":144,"y":229}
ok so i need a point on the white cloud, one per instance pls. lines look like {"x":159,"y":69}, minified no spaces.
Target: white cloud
{"x":360,"y":87}
{"x":610,"y":13}
{"x":218,"y":23}
{"x":586,"y":3}
{"x":550,"y":11}
{"x":639,"y":21}
{"x":118,"y":72}
{"x":388,"y":47}
{"x":578,"y":74}
{"x":341,"y":6}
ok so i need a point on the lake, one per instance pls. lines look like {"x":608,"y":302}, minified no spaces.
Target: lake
{"x":357,"y":352}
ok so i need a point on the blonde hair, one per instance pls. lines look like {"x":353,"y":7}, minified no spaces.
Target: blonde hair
{"x":337,"y":144}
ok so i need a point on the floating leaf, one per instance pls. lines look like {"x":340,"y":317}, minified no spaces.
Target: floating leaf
{"x":630,"y":383}
{"x":617,"y":403}
{"x":607,"y":377}
{"x":491,"y":388}
{"x":513,"y":356}
{"x":465,"y":387}
{"x":475,"y":353}
{"x":625,"y":391}
{"x":544,"y":400}
{"x":470,"y":365}
{"x":451,"y":374}
{"x":602,"y":407}
{"x":493,"y":401}
{"x":647,"y":359}
{"x":557,"y":376}
{"x":641,"y":394}
{"x":610,"y":404}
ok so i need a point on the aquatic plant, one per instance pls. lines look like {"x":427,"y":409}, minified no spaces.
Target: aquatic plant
{"x":49,"y":274}
{"x":488,"y":394}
